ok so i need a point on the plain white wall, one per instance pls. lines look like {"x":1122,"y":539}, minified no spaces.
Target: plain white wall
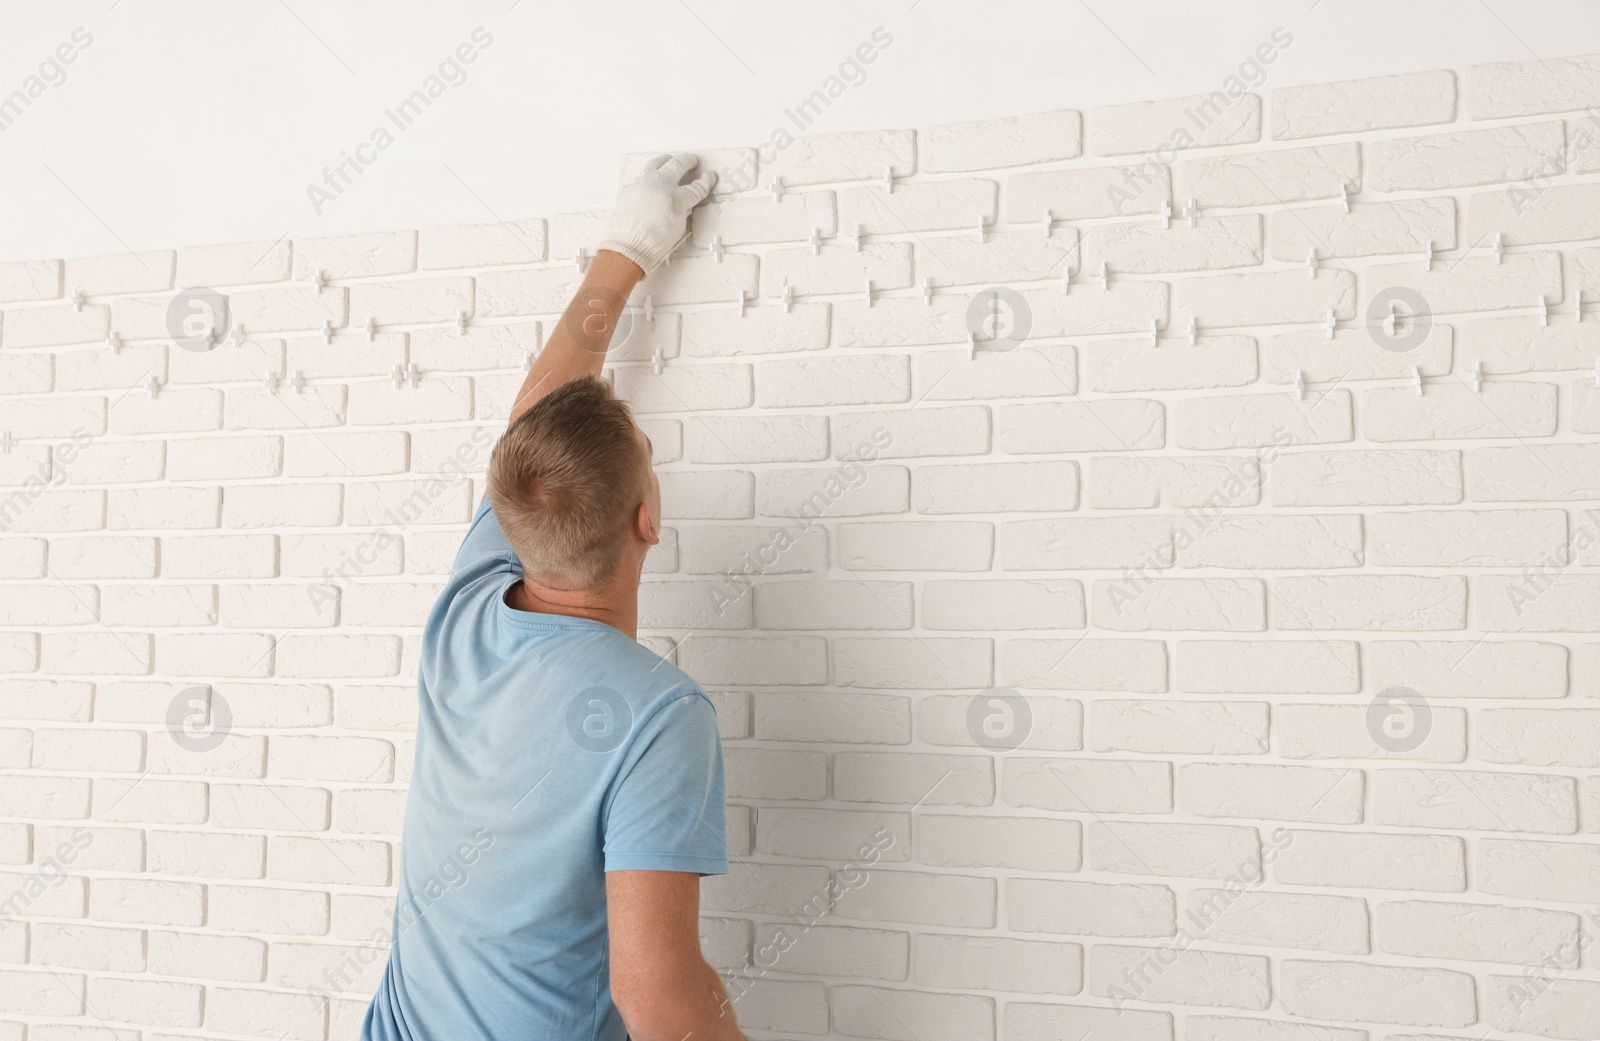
{"x":194,"y":121}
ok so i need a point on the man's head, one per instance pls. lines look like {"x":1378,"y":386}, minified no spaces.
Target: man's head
{"x":573,"y":488}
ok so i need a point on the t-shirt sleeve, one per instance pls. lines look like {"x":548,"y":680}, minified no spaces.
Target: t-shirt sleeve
{"x":667,"y":810}
{"x":485,"y":544}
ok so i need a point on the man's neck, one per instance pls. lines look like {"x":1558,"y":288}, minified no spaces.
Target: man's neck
{"x":616,"y":604}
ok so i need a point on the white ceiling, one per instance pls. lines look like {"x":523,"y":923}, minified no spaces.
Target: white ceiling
{"x":190,"y":121}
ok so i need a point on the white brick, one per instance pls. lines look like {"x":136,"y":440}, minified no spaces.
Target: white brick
{"x":761,"y":218}
{"x":239,"y":263}
{"x":1133,"y":365}
{"x":1029,"y":844}
{"x":1179,"y":727}
{"x":1402,"y":226}
{"x":1564,"y":1005}
{"x":1006,"y":487}
{"x":1270,"y":178}
{"x":1521,"y":88}
{"x":835,"y":269}
{"x":1388,"y":994}
{"x":685,"y":388}
{"x":851,"y":157}
{"x":1475,"y":283}
{"x":146,"y":272}
{"x":1218,"y":851}
{"x":1006,"y":256}
{"x":1307,"y":541}
{"x":1394,"y":477}
{"x":310,"y":356}
{"x":1469,"y":538}
{"x":1562,"y":603}
{"x":1029,"y":370}
{"x":699,"y":280}
{"x":1360,"y":353}
{"x":1104,"y":191}
{"x":991,"y":143}
{"x":1352,"y":106}
{"x":824,"y":604}
{"x":1265,"y":298}
{"x":1080,"y":426}
{"x":913,"y":432}
{"x":853,"y":718}
{"x":1086,"y":664}
{"x":24,"y":281}
{"x":1086,"y":908}
{"x":1088,"y":785}
{"x":1260,"y":420}
{"x":408,"y":301}
{"x":1170,"y":126}
{"x":902,"y":663}
{"x":1292,"y":793}
{"x":1144,"y":483}
{"x":526,"y":291}
{"x":356,"y":256}
{"x":55,"y":326}
{"x":723,"y":332}
{"x":917,"y":780}
{"x":857,"y":380}
{"x":917,"y":206}
{"x":1053,"y":724}
{"x":916,"y":545}
{"x":1220,"y":604}
{"x":923,"y":898}
{"x":1144,"y":247}
{"x":1318,"y":666}
{"x":479,"y":245}
{"x":1388,"y":602}
{"x":1471,"y":668}
{"x":1001,"y":604}
{"x":1190,"y":977}
{"x":880,"y":1012}
{"x":1523,"y":152}
{"x":1433,"y":863}
{"x":292,"y":308}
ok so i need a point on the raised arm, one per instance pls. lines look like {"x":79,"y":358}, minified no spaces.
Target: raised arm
{"x":649,"y":220}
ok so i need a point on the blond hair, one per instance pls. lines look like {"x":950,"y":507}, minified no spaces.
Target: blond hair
{"x":566,"y":481}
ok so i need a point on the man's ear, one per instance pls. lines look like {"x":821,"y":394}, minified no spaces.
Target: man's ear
{"x":644,"y":527}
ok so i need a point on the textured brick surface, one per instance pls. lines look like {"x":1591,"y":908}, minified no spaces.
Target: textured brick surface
{"x":1203,"y":680}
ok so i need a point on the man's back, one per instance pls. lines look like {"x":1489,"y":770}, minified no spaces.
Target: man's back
{"x":550,"y":749}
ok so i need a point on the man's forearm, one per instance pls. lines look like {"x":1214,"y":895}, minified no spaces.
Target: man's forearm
{"x":696,"y":1007}
{"x":577,"y":345}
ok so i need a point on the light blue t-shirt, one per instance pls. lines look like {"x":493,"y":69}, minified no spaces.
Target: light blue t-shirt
{"x":550,"y":750}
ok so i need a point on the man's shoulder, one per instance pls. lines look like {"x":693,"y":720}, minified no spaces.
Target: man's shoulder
{"x":653,"y":680}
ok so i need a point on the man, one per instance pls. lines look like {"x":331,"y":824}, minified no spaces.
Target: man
{"x":568,"y":789}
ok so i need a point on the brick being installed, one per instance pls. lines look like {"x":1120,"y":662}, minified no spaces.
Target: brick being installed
{"x":1188,"y":557}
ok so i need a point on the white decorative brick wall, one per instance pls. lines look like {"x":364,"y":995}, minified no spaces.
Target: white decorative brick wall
{"x":1291,"y":606}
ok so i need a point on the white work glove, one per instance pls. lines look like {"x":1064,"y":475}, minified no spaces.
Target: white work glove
{"x":652,"y":211}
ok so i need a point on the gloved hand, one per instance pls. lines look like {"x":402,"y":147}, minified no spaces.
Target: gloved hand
{"x":652,"y":211}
